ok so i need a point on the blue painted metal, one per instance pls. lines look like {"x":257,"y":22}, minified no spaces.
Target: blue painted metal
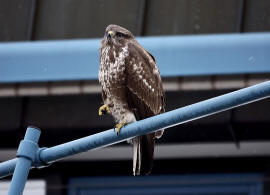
{"x":29,"y":154}
{"x":225,"y":184}
{"x":175,"y":55}
{"x":168,"y":119}
{"x":7,"y":167}
{"x":26,"y":156}
{"x":165,"y":120}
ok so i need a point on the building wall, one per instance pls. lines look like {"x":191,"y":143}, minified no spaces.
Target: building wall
{"x":69,"y":19}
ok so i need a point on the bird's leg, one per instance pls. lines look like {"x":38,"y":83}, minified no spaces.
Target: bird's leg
{"x":105,"y":109}
{"x":119,"y":126}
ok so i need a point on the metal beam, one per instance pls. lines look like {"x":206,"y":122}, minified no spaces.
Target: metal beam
{"x":169,"y":151}
{"x":26,"y":156}
{"x":42,"y":61}
{"x":179,"y":116}
{"x":172,"y":118}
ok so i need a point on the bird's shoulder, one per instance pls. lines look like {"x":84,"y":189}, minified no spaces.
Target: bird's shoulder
{"x":143,"y":78}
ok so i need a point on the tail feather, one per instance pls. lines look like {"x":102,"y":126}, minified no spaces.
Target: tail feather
{"x":136,"y":156}
{"x":143,"y":151}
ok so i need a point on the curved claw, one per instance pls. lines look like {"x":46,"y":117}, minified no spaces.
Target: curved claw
{"x":105,"y":109}
{"x":119,"y":126}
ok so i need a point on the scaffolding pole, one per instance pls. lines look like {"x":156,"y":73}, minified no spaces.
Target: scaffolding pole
{"x":46,"y":156}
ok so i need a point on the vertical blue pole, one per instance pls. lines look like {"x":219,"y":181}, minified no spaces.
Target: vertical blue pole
{"x":26,"y":155}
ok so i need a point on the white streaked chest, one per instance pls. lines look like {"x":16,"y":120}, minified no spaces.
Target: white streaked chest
{"x":111,"y":72}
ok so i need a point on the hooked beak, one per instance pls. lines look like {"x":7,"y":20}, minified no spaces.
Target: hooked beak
{"x":110,"y":34}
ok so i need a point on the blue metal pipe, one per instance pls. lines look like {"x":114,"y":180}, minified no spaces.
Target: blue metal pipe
{"x":168,"y":119}
{"x":26,"y":156}
{"x":165,"y":120}
{"x":42,"y":61}
{"x":7,"y":167}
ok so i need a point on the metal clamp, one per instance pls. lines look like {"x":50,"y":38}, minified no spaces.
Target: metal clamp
{"x":27,"y":149}
{"x":26,"y":156}
{"x":39,"y":163}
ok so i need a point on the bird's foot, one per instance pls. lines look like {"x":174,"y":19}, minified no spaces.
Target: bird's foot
{"x":119,"y":126}
{"x":105,"y":109}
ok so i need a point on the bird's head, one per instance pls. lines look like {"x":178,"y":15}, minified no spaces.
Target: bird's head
{"x":117,"y":35}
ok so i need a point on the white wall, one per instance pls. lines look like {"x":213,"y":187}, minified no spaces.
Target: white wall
{"x":32,"y":187}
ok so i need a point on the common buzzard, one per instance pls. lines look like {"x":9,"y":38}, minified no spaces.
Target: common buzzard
{"x":131,"y":89}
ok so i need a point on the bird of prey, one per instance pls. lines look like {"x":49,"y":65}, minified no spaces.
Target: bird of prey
{"x":131,"y":90}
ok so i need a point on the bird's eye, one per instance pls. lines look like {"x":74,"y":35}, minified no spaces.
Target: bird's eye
{"x":119,"y":35}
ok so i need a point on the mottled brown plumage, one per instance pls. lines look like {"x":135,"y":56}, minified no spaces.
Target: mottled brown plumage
{"x":131,"y":89}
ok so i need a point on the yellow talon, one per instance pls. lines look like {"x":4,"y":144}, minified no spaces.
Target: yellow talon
{"x":105,"y":109}
{"x":119,"y":126}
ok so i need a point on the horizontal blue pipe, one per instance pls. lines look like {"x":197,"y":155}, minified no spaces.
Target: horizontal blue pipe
{"x":7,"y":167}
{"x":165,"y":120}
{"x":42,"y":61}
{"x":168,"y":119}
